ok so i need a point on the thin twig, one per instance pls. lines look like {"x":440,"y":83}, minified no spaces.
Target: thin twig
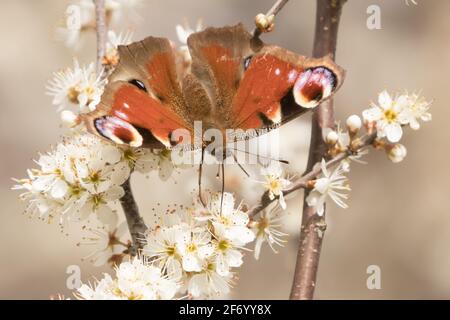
{"x":101,"y":29}
{"x":274,"y":10}
{"x":135,"y":222}
{"x":302,"y":182}
{"x":313,"y":226}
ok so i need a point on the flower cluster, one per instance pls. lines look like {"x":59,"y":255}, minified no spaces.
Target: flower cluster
{"x":135,"y":280}
{"x":201,"y":247}
{"x":79,"y":86}
{"x":191,"y":253}
{"x":385,"y":121}
{"x":390,"y":114}
{"x":82,"y":86}
{"x":82,"y":176}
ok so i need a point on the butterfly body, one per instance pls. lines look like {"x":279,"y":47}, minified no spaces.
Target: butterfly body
{"x":235,"y":82}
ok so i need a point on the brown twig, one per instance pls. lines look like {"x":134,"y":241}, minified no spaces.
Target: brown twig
{"x":272,"y":11}
{"x":313,"y":226}
{"x":101,"y":29}
{"x":135,"y":222}
{"x":302,"y":182}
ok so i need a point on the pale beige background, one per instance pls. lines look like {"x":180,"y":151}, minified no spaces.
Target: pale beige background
{"x":399,"y":215}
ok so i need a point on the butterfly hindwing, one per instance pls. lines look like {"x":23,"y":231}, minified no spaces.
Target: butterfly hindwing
{"x":218,"y":55}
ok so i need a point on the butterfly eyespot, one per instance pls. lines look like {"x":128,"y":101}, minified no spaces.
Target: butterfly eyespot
{"x":313,"y":86}
{"x":139,"y":84}
{"x":118,"y":131}
{"x":247,"y":62}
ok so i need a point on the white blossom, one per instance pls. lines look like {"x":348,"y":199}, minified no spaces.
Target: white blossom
{"x":109,"y":244}
{"x":266,"y":229}
{"x":331,"y":184}
{"x":416,"y":109}
{"x":227,"y":220}
{"x":392,"y":113}
{"x":135,"y":280}
{"x":140,"y":159}
{"x":165,"y":164}
{"x":208,"y":283}
{"x":227,"y":253}
{"x":98,"y":204}
{"x":81,"y":176}
{"x":275,"y":183}
{"x":387,"y":116}
{"x":77,"y":86}
{"x":114,"y":40}
{"x":194,"y":248}
{"x":161,"y":247}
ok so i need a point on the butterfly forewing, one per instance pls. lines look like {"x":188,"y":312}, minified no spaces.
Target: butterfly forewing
{"x":144,"y":92}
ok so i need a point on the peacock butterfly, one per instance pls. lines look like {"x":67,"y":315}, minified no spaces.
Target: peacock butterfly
{"x":235,"y":81}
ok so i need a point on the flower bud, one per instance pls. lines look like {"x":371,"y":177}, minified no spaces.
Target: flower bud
{"x":70,"y":119}
{"x":397,"y":153}
{"x":354,"y":123}
{"x":332,"y":138}
{"x":264,"y":23}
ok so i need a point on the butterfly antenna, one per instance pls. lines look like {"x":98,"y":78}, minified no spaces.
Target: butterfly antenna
{"x":222,"y":167}
{"x":240,"y":165}
{"x":260,"y":156}
{"x":200,"y":171}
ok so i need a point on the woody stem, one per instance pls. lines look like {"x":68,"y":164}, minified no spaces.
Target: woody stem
{"x":313,"y":226}
{"x":101,"y":30}
{"x":135,"y":222}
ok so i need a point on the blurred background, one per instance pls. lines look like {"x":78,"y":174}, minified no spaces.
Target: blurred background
{"x":398,"y":217}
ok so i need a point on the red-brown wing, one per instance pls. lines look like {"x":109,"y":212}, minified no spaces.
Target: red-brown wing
{"x":279,"y":85}
{"x":253,"y":85}
{"x":217,"y":61}
{"x":143,"y":102}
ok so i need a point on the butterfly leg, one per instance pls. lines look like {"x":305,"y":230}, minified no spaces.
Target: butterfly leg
{"x":222,"y":167}
{"x":200,"y":171}
{"x":240,"y":165}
